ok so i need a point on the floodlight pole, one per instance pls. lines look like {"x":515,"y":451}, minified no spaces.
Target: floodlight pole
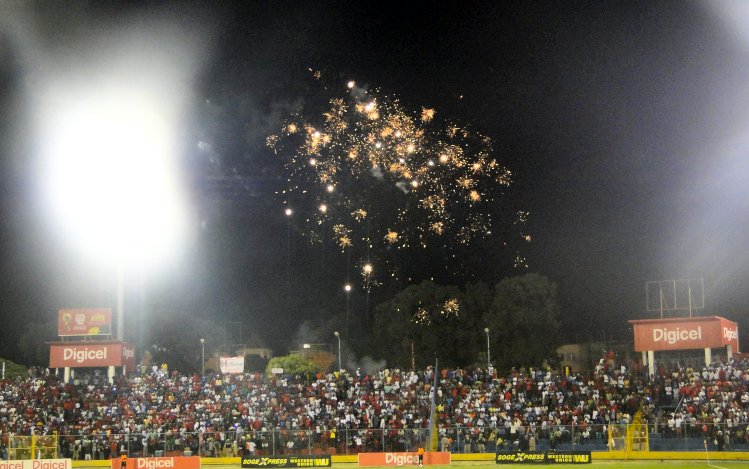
{"x":488,"y":355}
{"x":347,"y":289}
{"x":338,"y":336}
{"x":120,"y":301}
{"x":202,"y":357}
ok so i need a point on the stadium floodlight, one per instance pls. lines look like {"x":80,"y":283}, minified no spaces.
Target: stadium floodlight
{"x":109,"y":177}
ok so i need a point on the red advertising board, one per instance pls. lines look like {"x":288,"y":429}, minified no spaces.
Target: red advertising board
{"x":169,"y":462}
{"x":402,"y":459}
{"x":91,"y":354}
{"x":77,"y":322}
{"x":685,"y":333}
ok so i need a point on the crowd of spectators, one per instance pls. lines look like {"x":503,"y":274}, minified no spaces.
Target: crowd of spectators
{"x":157,"y":410}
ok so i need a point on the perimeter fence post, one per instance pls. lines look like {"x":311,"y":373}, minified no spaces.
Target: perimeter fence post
{"x":572,"y":434}
{"x":684,"y":434}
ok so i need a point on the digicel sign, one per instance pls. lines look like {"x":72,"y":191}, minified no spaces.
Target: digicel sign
{"x":685,"y":333}
{"x":403,"y":459}
{"x":89,"y":354}
{"x":175,"y":462}
{"x":82,"y":355}
{"x":673,"y":336}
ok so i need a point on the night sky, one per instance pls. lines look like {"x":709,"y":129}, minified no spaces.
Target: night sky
{"x":625,"y":125}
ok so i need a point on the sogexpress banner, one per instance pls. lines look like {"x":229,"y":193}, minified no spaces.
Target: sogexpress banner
{"x":317,"y":460}
{"x":544,"y":457}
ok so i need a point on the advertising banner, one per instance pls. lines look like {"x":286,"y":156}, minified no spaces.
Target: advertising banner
{"x":522,"y":457}
{"x":729,"y":333}
{"x":78,"y":322}
{"x":316,"y":460}
{"x":569,"y":457}
{"x":685,"y":333}
{"x":402,"y":459}
{"x":91,"y":354}
{"x":543,"y":457}
{"x":175,"y":462}
{"x":232,"y":365}
{"x":128,"y":356}
{"x":37,"y":464}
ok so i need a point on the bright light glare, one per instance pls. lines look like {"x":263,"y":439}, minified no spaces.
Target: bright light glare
{"x":110,"y":176}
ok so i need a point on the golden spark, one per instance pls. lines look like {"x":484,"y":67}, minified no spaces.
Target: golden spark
{"x":271,"y":141}
{"x":451,"y":307}
{"x":427,"y":114}
{"x":465,"y":182}
{"x":359,"y":214}
{"x":422,"y":316}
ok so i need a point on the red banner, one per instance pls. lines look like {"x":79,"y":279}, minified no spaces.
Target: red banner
{"x":91,"y":354}
{"x":402,"y":459}
{"x":94,"y":321}
{"x":128,"y":356}
{"x":685,"y":333}
{"x":170,"y":462}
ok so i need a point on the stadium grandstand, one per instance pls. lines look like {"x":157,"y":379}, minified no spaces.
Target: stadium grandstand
{"x":156,"y":412}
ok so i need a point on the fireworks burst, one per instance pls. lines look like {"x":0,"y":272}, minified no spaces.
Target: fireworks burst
{"x":422,"y":317}
{"x":450,"y":307}
{"x":388,"y":178}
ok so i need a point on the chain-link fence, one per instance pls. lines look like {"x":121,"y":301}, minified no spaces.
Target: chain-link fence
{"x":32,"y":447}
{"x":586,"y":436}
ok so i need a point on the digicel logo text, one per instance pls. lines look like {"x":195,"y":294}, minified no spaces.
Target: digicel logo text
{"x":11,"y":465}
{"x":50,"y":464}
{"x":676,"y":335}
{"x":730,"y":334}
{"x":400,"y":459}
{"x":154,"y":463}
{"x":81,"y":355}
